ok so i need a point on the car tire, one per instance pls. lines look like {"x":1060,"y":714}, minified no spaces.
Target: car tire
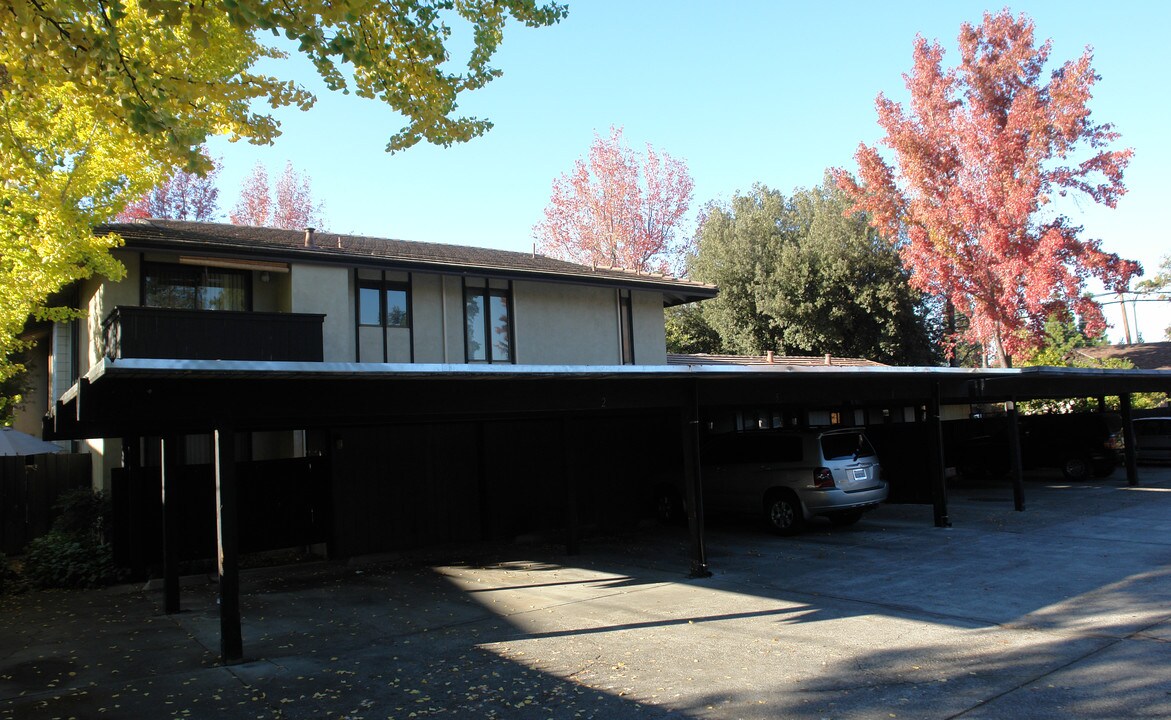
{"x":848,"y":517}
{"x":1076,"y":468}
{"x":1104,"y":468}
{"x":783,"y":513}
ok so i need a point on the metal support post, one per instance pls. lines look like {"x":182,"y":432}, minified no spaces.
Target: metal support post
{"x":1015,"y":466}
{"x":172,"y":449}
{"x":693,"y":484}
{"x":227,"y":538}
{"x":1124,"y":405}
{"x":938,"y":474}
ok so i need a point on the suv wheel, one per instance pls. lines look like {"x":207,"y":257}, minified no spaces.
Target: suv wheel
{"x":1075,"y":467}
{"x":783,"y":512}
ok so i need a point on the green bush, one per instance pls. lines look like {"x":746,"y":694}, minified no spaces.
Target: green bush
{"x":57,"y":560}
{"x":84,"y":515}
{"x":73,"y":554}
{"x":9,"y":580}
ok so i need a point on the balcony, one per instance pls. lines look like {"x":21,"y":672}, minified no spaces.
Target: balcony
{"x":148,"y":332}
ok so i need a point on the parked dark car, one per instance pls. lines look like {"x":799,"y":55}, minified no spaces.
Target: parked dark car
{"x":1081,"y":445}
{"x":1152,"y":437}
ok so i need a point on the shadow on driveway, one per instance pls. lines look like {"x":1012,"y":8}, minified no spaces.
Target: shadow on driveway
{"x":1056,"y":612}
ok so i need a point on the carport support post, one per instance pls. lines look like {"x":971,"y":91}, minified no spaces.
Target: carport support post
{"x":1128,"y":438}
{"x":231,"y":643}
{"x":693,"y":484}
{"x":573,"y":532}
{"x":171,"y":448}
{"x":1014,"y":453}
{"x":938,"y":475}
{"x":136,"y":545}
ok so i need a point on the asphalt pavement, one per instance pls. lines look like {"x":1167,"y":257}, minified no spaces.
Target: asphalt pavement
{"x":1060,"y":611}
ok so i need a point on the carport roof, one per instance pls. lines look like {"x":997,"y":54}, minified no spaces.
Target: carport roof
{"x":148,"y":396}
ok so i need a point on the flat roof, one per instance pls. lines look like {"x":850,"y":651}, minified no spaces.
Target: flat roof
{"x":152,"y":397}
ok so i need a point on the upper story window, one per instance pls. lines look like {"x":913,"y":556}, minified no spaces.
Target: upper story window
{"x":385,"y":304}
{"x":488,"y":321}
{"x":193,"y":287}
{"x":626,"y":326}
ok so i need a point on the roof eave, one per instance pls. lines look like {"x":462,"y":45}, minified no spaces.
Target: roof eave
{"x":675,"y":292}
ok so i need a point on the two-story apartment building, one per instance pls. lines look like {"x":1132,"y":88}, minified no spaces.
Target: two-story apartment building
{"x":390,"y":394}
{"x":226,"y":292}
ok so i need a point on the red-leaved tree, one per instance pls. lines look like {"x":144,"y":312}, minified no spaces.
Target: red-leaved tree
{"x":619,"y":209}
{"x":981,"y":154}
{"x":292,"y":207}
{"x":184,"y":196}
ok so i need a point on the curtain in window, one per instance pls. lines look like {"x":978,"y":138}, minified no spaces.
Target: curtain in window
{"x":194,"y":288}
{"x":222,"y":290}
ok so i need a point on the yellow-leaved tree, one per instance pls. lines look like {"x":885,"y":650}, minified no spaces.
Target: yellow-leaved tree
{"x":102,"y":100}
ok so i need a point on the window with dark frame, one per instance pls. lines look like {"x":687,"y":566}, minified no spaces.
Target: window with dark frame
{"x":384,"y":304}
{"x":195,"y":287}
{"x":487,"y":322}
{"x":626,"y":326}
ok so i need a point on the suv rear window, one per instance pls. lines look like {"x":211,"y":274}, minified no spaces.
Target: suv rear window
{"x":842,"y":445}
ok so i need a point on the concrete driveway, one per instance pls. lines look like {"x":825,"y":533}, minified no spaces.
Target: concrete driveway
{"x":1060,"y":611}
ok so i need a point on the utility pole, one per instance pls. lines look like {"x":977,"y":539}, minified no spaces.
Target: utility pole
{"x":1125,"y":320}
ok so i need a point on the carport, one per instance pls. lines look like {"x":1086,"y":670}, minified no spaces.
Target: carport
{"x":167,"y":399}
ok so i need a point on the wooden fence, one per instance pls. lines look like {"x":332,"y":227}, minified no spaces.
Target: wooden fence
{"x":29,"y":486}
{"x":282,"y":504}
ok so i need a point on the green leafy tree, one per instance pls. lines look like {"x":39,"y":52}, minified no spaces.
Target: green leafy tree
{"x":732,"y":251}
{"x":1159,"y":285}
{"x":688,"y":331}
{"x":12,"y":391}
{"x":1063,"y":337}
{"x":102,"y":101}
{"x":808,"y":276}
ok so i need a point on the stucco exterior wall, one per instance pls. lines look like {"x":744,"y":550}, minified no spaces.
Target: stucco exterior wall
{"x":650,"y":338}
{"x":100,"y":297}
{"x":107,"y":455}
{"x":453,"y":327}
{"x":565,"y":324}
{"x":27,"y":418}
{"x":328,"y":290}
{"x":427,"y":321}
{"x":271,"y":292}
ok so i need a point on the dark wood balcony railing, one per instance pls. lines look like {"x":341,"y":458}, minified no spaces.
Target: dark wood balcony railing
{"x":147,"y":332}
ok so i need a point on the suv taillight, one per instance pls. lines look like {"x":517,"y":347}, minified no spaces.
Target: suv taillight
{"x":823,"y":478}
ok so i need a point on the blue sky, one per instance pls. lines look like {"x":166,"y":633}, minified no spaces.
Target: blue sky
{"x":745,"y":92}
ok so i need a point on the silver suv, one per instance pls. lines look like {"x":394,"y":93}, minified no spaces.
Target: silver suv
{"x":791,"y":476}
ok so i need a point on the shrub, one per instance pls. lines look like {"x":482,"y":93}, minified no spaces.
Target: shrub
{"x":57,"y":560}
{"x":84,"y":515}
{"x":9,"y":580}
{"x":73,"y":554}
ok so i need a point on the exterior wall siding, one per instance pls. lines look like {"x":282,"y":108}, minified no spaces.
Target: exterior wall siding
{"x":273,"y":294}
{"x":452,"y":289}
{"x":650,"y":336}
{"x":328,"y":290}
{"x":427,"y":320}
{"x":101,"y":297}
{"x":27,"y":418}
{"x":565,"y":324}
